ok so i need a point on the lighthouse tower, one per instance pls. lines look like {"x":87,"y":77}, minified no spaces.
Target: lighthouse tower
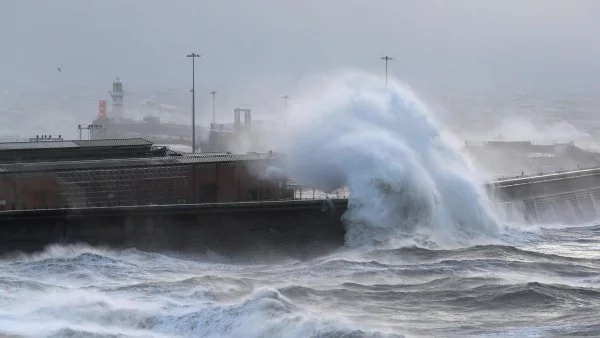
{"x":117,"y":94}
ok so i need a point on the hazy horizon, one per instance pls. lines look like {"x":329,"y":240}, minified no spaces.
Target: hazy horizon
{"x":458,"y":43}
{"x":469,"y":57}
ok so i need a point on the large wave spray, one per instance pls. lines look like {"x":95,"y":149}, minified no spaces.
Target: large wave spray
{"x":407,"y":179}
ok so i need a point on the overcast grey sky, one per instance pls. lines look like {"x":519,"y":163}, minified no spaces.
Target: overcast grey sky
{"x":268,"y":45}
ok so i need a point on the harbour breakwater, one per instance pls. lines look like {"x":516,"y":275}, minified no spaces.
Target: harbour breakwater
{"x":562,"y":197}
{"x":298,"y":228}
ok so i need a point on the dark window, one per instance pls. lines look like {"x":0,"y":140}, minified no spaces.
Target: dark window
{"x":252,"y":194}
{"x":207,"y":193}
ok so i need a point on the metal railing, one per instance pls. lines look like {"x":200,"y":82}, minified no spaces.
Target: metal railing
{"x":315,"y":194}
{"x":318,"y":196}
{"x":541,"y":173}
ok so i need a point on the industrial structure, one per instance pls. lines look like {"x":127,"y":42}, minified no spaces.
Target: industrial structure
{"x":118,"y":172}
{"x":230,"y":136}
{"x":219,"y":137}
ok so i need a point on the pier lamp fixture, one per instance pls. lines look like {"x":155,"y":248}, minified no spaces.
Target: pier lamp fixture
{"x":386,"y":59}
{"x":285,"y":98}
{"x":213,"y":93}
{"x":193,"y":56}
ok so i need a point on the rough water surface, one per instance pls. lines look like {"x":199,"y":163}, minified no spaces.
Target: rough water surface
{"x":546,"y":285}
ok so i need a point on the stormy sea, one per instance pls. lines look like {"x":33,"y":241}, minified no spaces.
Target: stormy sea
{"x":426,"y":254}
{"x":544,"y":286}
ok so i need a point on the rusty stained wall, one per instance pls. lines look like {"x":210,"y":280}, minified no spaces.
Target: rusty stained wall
{"x":212,"y":182}
{"x":232,"y":182}
{"x":31,"y":191}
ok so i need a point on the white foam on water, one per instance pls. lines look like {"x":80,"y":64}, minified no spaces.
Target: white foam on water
{"x":80,"y":313}
{"x":407,"y":178}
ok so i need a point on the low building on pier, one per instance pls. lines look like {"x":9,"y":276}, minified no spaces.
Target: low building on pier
{"x":94,"y":173}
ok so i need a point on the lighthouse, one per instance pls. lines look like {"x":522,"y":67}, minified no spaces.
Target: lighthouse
{"x":117,"y":94}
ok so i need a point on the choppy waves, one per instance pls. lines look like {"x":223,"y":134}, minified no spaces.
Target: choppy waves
{"x":540,"y":289}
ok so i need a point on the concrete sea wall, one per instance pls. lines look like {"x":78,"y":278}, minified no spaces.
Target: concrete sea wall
{"x":568,"y":197}
{"x":296,"y":228}
{"x":300,"y":229}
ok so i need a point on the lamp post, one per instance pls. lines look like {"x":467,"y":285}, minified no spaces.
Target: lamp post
{"x":193,"y":56}
{"x":213,"y":93}
{"x":285,"y":97}
{"x":386,"y":59}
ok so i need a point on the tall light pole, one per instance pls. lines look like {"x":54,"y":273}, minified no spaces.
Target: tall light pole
{"x":193,"y":56}
{"x":213,"y":93}
{"x":285,"y":97}
{"x":386,"y":59}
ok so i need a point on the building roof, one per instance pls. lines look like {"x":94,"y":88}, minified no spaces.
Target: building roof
{"x":74,"y":144}
{"x":12,"y":152}
{"x":130,"y":142}
{"x":201,"y":158}
{"x":7,"y":146}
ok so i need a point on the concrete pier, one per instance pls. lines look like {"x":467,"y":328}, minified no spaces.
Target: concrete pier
{"x":521,"y":188}
{"x":297,"y":228}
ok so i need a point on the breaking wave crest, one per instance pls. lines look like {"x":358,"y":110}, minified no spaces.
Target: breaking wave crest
{"x":483,"y":290}
{"x":408,"y":182}
{"x":89,"y":292}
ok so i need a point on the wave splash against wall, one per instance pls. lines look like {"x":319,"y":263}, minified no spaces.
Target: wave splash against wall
{"x":408,"y":182}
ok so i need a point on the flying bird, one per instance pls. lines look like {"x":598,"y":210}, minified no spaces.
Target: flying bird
{"x":60,"y":70}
